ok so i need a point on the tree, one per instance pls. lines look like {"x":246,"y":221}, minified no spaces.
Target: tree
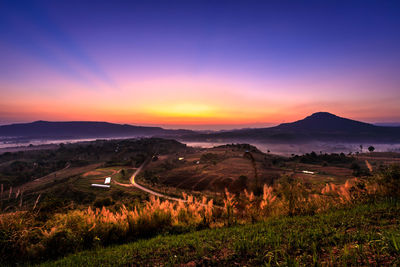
{"x":371,"y":149}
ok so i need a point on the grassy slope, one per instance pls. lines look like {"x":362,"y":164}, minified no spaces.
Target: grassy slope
{"x":358,"y":236}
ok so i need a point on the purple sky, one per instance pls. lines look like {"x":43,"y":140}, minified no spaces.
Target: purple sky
{"x":199,"y":64}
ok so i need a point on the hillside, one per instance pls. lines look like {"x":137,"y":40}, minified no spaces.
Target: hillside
{"x":320,"y":126}
{"x":50,"y":208}
{"x":82,"y":129}
{"x":343,"y":237}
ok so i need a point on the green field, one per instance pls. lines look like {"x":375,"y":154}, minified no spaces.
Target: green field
{"x":365,"y":235}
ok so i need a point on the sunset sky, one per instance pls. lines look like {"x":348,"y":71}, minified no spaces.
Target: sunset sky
{"x":199,"y":64}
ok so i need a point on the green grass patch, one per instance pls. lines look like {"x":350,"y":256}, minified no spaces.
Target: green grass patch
{"x":367,"y":234}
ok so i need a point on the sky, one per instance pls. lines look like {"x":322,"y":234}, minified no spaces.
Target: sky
{"x":199,"y":64}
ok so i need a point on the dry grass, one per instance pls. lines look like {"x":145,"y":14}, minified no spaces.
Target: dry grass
{"x":369,"y":166}
{"x":56,"y":176}
{"x":81,"y":229}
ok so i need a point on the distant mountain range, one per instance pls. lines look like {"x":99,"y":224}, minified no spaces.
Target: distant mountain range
{"x":389,"y":124}
{"x":82,"y":129}
{"x":321,"y":126}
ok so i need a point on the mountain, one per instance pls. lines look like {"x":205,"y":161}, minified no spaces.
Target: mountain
{"x":82,"y":129}
{"x":326,"y":122}
{"x":320,"y":126}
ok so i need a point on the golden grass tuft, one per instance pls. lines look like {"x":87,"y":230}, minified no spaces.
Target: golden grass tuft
{"x":81,"y":229}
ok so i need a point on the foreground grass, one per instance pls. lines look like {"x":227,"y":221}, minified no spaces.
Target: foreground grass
{"x":365,"y":235}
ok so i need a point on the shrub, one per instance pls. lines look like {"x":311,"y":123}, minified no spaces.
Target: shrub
{"x":358,"y":171}
{"x":229,"y":209}
{"x":294,"y":194}
{"x":104,"y":202}
{"x":388,"y":180}
{"x":15,"y":229}
{"x":269,"y":202}
{"x":251,"y":207}
{"x":352,"y":191}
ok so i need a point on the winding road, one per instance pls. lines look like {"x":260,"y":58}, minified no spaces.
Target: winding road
{"x":151,"y":192}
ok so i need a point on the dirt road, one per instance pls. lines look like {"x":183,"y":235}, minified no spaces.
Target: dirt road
{"x":151,"y":192}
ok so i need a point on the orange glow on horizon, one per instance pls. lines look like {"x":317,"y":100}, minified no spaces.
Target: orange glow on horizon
{"x":182,"y":101}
